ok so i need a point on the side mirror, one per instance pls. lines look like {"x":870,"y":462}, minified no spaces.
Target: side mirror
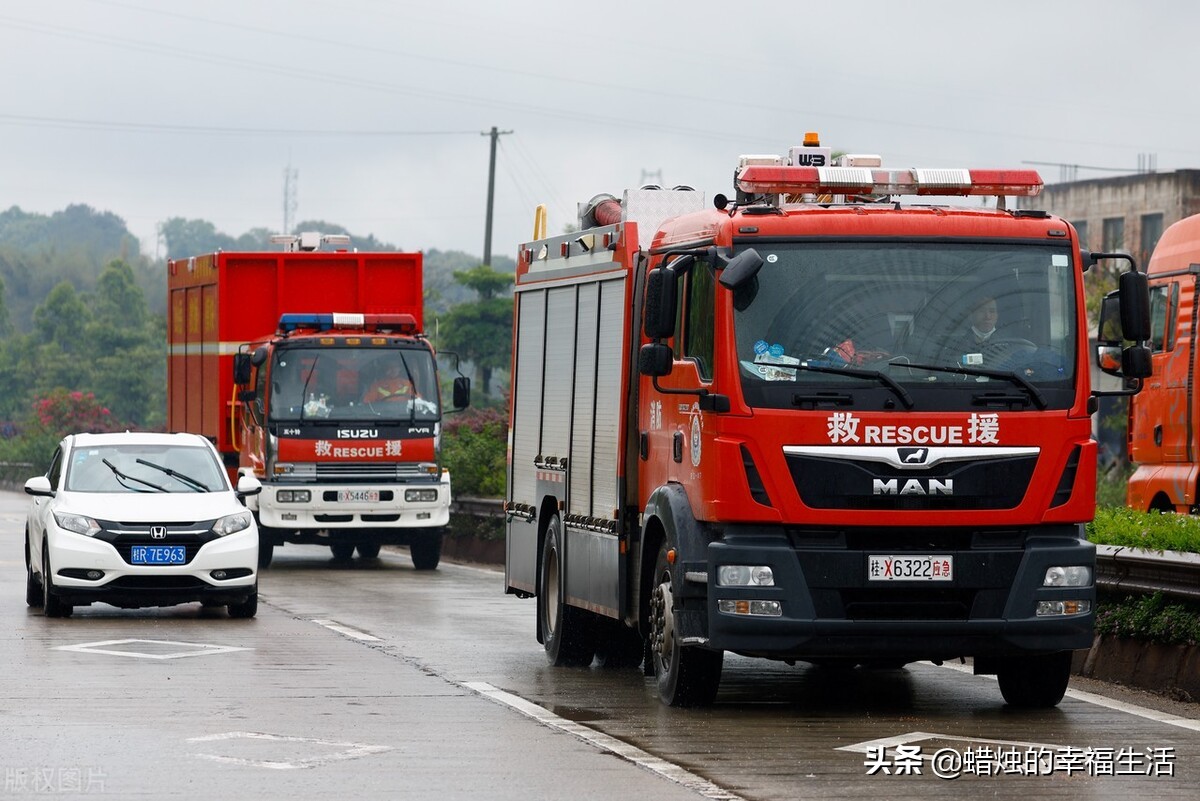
{"x":247,"y":395}
{"x":259,"y":357}
{"x":1134,"y":291}
{"x":660,"y":303}
{"x":655,"y":359}
{"x":241,"y":369}
{"x":248,"y":485}
{"x":462,"y":392}
{"x":39,"y":486}
{"x":741,"y":269}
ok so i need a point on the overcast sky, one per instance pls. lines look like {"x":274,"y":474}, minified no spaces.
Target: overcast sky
{"x":153,"y":109}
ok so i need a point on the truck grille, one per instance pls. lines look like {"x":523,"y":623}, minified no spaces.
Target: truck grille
{"x":369,"y":472}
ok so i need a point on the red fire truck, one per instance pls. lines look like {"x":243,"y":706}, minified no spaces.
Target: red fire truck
{"x":769,"y":427}
{"x":1162,"y":418}
{"x":309,"y":369}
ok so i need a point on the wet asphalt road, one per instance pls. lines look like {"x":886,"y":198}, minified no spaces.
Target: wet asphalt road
{"x":368,"y":679}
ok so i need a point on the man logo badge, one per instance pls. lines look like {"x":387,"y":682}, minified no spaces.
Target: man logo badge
{"x":158,"y":532}
{"x":913,"y":455}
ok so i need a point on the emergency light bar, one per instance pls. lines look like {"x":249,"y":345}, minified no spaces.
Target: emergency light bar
{"x":781,"y":180}
{"x":403,"y":323}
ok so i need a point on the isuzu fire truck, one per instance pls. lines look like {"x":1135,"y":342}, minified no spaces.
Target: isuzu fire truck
{"x":1162,"y":433}
{"x":273,"y":355}
{"x":761,"y":427}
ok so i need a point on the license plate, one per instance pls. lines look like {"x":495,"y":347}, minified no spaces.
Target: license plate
{"x":158,"y":555}
{"x":358,"y":496}
{"x":932,"y":567}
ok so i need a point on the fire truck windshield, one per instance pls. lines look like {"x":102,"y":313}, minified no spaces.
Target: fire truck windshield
{"x":954,"y":325}
{"x":346,"y":382}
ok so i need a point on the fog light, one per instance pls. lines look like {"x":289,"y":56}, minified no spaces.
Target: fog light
{"x":1054,"y":608}
{"x":745,"y":576}
{"x":219,"y":575}
{"x":420,"y":495}
{"x":94,"y":575}
{"x":756,"y":608}
{"x":1076,"y":576}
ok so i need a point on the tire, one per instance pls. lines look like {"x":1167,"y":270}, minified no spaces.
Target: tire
{"x":266,"y":551}
{"x":426,"y":551}
{"x":686,"y":675}
{"x":1035,"y":682}
{"x":342,"y":551}
{"x":52,"y":604}
{"x":33,"y":587}
{"x":247,"y":608}
{"x":369,"y":551}
{"x":567,"y":632}
{"x":618,"y":646}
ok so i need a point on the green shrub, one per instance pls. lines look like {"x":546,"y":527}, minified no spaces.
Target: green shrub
{"x":1119,"y":525}
{"x":1150,"y":618}
{"x":474,"y":448}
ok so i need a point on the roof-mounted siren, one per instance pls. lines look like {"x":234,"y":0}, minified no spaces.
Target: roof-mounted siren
{"x":746,"y":162}
{"x":871,"y":181}
{"x":308,"y":241}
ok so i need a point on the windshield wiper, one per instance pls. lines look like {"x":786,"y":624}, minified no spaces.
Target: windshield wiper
{"x":122,"y":477}
{"x":1004,"y":375}
{"x":199,"y":486}
{"x":874,"y":375}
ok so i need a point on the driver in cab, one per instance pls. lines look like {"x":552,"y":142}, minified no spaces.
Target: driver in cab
{"x":391,"y":385}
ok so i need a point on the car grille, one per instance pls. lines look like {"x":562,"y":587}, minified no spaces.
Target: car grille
{"x":124,"y":535}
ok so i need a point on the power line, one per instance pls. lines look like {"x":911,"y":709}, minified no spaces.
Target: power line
{"x":148,"y":127}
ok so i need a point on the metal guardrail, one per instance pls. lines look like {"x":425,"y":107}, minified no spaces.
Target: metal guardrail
{"x":1137,"y":570}
{"x":1117,"y":568}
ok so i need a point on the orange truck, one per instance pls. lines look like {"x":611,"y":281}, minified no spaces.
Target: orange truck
{"x":1162,"y":433}
{"x":765,"y":425}
{"x":278,"y":357}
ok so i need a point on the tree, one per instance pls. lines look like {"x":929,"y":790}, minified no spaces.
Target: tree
{"x":481,"y":331}
{"x":486,"y":282}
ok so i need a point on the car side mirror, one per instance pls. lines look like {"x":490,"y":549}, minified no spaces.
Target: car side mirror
{"x":655,"y":359}
{"x":248,"y":485}
{"x":241,"y":369}
{"x":462,"y":392}
{"x":39,"y":486}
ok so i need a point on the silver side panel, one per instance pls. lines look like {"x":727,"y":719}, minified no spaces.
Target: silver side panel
{"x":613,"y":302}
{"x":527,"y":395}
{"x":560,"y":368}
{"x":584,"y":419}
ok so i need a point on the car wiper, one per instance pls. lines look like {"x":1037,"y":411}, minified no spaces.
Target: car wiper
{"x":1004,"y":375}
{"x":122,"y":477}
{"x":199,"y":486}
{"x":873,"y":375}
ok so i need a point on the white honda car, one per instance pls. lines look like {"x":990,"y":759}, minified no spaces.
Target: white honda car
{"x":136,"y":519}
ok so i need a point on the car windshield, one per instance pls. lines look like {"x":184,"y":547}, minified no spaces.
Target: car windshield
{"x":935,"y":326}
{"x":383,"y":385}
{"x":144,"y":468}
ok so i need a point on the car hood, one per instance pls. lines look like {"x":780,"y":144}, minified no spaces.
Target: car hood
{"x":150,"y":507}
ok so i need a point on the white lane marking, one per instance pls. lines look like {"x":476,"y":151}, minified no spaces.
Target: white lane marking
{"x":921,"y":736}
{"x":353,"y":750}
{"x":346,"y":631}
{"x":1108,"y":703}
{"x":604,"y":742}
{"x":198,"y":649}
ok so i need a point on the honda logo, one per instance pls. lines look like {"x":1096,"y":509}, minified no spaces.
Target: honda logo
{"x":158,"y":532}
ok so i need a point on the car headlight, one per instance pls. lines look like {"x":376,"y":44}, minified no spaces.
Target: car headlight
{"x":231,"y":524}
{"x":77,"y":523}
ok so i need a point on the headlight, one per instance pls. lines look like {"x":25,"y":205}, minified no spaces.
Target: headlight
{"x":745,"y":576}
{"x":77,"y":523}
{"x":293,"y":496}
{"x":231,"y":524}
{"x":1075,"y":576}
{"x":420,"y":495}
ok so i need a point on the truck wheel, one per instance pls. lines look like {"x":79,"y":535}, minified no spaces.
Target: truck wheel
{"x":426,"y":551}
{"x":566,"y":630}
{"x":1035,"y":682}
{"x":52,"y":604}
{"x":686,"y":675}
{"x":342,"y":551}
{"x":368,"y":550}
{"x":33,"y":587}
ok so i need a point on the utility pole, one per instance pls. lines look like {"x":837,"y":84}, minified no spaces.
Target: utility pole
{"x":291,"y":177}
{"x":487,"y":234}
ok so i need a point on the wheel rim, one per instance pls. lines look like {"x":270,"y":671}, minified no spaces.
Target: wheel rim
{"x":551,"y":585}
{"x":662,"y":628}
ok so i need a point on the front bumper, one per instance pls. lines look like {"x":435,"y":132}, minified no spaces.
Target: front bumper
{"x":325,"y":511}
{"x":830,"y":609}
{"x":123,"y":584}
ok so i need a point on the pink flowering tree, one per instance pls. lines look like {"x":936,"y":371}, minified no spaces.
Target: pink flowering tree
{"x":51,"y":418}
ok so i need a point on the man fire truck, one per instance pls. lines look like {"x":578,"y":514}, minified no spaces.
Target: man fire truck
{"x":758,"y":428}
{"x":282,"y":359}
